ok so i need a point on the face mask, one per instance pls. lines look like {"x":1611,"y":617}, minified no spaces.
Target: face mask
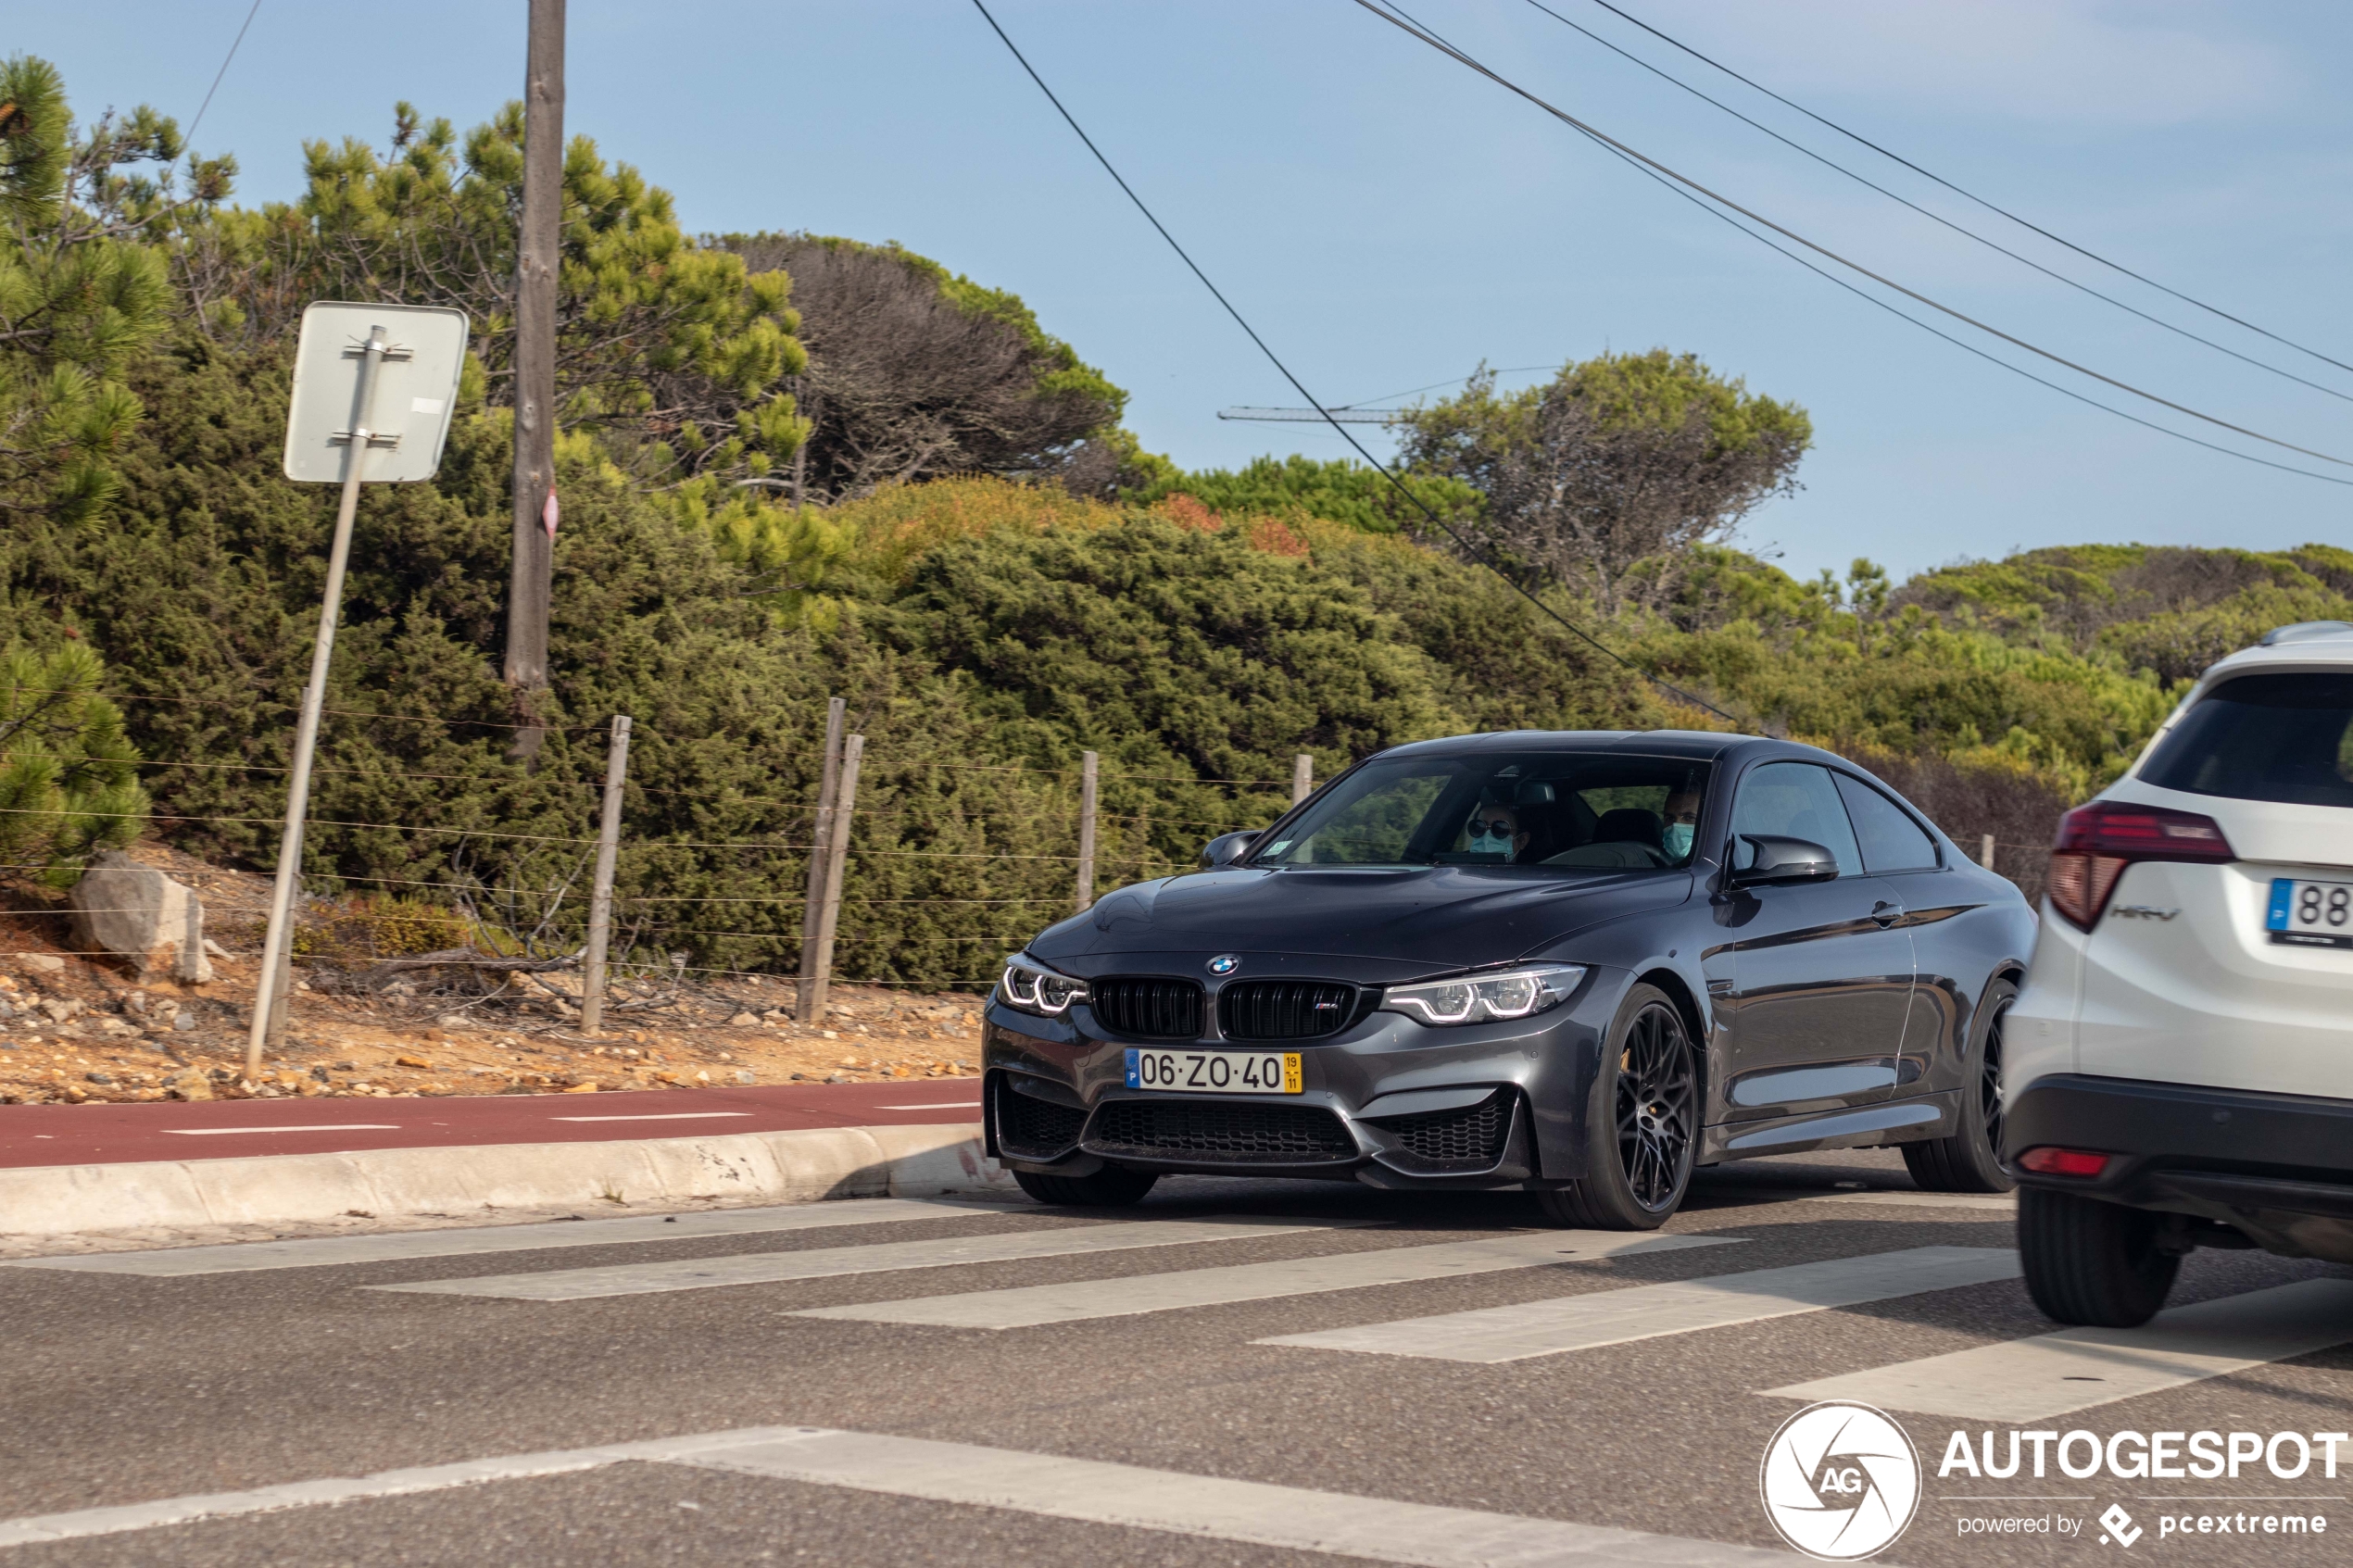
{"x":1489,"y":837}
{"x":1677,"y":839}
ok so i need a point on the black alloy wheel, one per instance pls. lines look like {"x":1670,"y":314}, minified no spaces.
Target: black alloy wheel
{"x":1968,"y":1159}
{"x":1655,"y":1106}
{"x":1642,"y":1121}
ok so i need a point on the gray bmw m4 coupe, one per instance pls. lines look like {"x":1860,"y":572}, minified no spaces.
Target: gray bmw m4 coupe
{"x":1578,"y":964}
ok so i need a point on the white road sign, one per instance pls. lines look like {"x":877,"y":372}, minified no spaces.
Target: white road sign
{"x":417,"y":389}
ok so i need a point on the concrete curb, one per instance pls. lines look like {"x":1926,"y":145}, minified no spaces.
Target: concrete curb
{"x":800,"y":1167}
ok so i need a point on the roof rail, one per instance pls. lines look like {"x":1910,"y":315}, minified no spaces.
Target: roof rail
{"x":2305,"y":630}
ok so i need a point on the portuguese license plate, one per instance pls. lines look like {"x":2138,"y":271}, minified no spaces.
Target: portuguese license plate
{"x":1214,"y":1072}
{"x":2310,"y":914}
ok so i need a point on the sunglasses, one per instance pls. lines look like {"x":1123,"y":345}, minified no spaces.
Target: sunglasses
{"x":1491,"y":828}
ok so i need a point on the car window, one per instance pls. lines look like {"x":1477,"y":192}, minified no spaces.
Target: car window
{"x":1568,"y":810}
{"x":1891,"y":841}
{"x":1793,"y":800}
{"x":2287,"y":737}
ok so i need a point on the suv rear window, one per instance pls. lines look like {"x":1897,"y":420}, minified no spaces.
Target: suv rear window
{"x":2287,"y":737}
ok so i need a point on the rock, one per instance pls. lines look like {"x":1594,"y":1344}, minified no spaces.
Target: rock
{"x":189,"y":1083}
{"x":743,"y":1021}
{"x":416,"y":1061}
{"x":745,"y":1075}
{"x":7,"y":1009}
{"x":59,"y":1008}
{"x":116,"y":1026}
{"x":588,"y":1088}
{"x":123,"y":908}
{"x":41,"y":963}
{"x":454,"y":1020}
{"x":185,"y":1021}
{"x":135,"y":1004}
{"x":99,"y":1077}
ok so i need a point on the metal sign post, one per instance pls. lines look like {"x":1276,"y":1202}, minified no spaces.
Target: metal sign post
{"x":354,"y":365}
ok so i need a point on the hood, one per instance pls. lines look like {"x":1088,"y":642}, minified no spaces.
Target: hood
{"x":1411,"y":921}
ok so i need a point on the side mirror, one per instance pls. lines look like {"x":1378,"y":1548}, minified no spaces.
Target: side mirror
{"x":1226,"y":848}
{"x":1784,"y":859}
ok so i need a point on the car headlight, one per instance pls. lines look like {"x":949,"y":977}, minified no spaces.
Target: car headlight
{"x":1477,"y":998}
{"x":1032,"y":987}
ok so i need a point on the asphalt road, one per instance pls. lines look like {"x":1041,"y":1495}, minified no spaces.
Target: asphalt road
{"x":663,"y":1400}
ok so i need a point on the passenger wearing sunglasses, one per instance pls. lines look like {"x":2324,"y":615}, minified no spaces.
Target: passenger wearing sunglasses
{"x":1495,"y":830}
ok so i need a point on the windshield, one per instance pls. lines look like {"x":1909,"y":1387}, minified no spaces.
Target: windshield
{"x":2287,"y":737}
{"x":1564,"y":810}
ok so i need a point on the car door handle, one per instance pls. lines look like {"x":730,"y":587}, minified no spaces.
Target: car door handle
{"x":1887,"y":914}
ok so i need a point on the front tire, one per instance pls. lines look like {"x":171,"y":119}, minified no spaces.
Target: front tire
{"x":1114,"y":1186}
{"x":1642,"y":1123}
{"x":2092,"y":1263}
{"x":1969,"y":1160}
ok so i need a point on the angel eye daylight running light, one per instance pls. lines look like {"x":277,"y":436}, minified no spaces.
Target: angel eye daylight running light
{"x":1032,"y":987}
{"x":1482,"y":998}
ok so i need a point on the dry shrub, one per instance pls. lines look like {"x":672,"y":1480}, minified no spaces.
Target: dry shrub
{"x":900,"y":523}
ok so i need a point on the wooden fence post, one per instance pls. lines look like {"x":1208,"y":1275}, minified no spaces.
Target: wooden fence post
{"x":1087,"y":760}
{"x":1985,"y":851}
{"x":854,"y":748}
{"x":812,"y":909}
{"x":1302,"y":777}
{"x":592,"y":968}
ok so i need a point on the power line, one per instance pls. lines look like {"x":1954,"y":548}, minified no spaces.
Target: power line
{"x":1959,"y":191}
{"x":1273,"y":359}
{"x":1935,"y":217}
{"x":223,"y":71}
{"x":1964,"y":346}
{"x":1414,"y":30}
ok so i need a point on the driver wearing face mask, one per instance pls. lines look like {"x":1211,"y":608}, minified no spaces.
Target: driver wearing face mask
{"x":1495,"y":830}
{"x":1682,"y":824}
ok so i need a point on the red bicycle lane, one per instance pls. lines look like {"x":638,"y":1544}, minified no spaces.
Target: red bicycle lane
{"x":104,"y":1132}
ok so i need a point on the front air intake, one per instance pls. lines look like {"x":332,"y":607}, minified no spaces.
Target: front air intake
{"x":1207,"y":1132}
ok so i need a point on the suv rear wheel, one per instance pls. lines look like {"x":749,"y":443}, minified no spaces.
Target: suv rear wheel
{"x":2094,"y":1263}
{"x":1642,"y":1122}
{"x":1114,"y":1186}
{"x":1967,"y":1160}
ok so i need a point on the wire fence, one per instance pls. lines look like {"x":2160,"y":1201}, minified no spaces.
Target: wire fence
{"x":917,"y":881}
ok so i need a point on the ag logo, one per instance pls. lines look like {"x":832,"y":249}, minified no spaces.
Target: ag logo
{"x":1839,"y":1481}
{"x":1223,"y":963}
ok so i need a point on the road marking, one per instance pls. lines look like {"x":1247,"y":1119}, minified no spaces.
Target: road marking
{"x":827,"y":1263}
{"x":319,"y":1251}
{"x":318,"y":1127}
{"x":662,"y":1116}
{"x":2050,"y":1374}
{"x":1647,"y":1311}
{"x":935,"y":1105}
{"x":1080,"y":1299}
{"x":2001,"y":1202}
{"x":1090,"y":1491}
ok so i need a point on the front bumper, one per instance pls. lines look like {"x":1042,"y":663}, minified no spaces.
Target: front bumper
{"x":1388,"y":1101}
{"x":2277,"y":1168}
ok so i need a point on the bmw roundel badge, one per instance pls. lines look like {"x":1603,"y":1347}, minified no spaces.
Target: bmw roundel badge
{"x":1223,"y":963}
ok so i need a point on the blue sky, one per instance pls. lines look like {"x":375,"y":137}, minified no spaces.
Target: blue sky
{"x":1388,"y":220}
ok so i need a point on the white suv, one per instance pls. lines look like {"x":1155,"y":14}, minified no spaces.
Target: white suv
{"x":2179,"y":1066}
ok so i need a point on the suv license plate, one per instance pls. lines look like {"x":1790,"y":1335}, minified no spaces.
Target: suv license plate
{"x":2310,"y":914}
{"x":1214,"y":1072}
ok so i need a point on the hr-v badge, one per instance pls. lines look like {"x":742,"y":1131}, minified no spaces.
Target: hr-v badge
{"x":1223,"y":963}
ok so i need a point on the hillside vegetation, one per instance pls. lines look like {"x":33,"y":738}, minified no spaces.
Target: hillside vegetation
{"x":1065,"y":593}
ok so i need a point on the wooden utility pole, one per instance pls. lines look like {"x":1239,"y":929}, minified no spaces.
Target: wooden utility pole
{"x":536,"y":274}
{"x":812,"y":908}
{"x":1302,"y":777}
{"x":853,"y":747}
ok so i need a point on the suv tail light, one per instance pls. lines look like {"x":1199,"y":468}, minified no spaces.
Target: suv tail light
{"x":2048,"y":1161}
{"x":2096,"y":842}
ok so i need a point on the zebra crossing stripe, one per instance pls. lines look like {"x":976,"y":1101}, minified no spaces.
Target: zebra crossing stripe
{"x":826,"y":1263}
{"x":1090,"y":1491}
{"x":1647,"y":1311}
{"x":2050,"y":1374}
{"x":1029,"y":1306}
{"x":320,"y":1251}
